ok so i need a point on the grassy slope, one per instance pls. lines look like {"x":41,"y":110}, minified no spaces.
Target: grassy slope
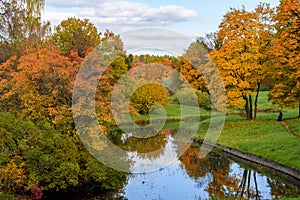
{"x":265,"y":136}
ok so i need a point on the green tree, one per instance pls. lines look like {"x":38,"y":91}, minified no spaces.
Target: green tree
{"x":37,"y":155}
{"x":285,"y":55}
{"x":187,"y":94}
{"x":76,"y":34}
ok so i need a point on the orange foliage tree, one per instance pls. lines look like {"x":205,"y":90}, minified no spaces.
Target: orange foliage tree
{"x":243,"y":57}
{"x":192,"y":65}
{"x":285,"y":55}
{"x":39,"y":85}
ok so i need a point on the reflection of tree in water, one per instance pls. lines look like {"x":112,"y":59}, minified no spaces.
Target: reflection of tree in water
{"x":245,"y":191}
{"x":226,"y":185}
{"x":280,"y":189}
{"x":195,"y":166}
{"x":222,"y":185}
{"x":150,"y":147}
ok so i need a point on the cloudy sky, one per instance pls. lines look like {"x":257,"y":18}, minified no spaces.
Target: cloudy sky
{"x":191,"y":18}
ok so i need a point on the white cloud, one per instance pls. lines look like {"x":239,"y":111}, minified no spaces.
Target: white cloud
{"x":120,"y":14}
{"x":129,"y":13}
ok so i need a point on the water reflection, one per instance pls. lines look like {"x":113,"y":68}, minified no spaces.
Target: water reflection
{"x":151,"y":153}
{"x":229,"y":179}
{"x":192,"y":177}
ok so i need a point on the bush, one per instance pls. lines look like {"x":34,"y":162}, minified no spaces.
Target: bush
{"x":149,"y":95}
{"x":187,"y":97}
{"x":35,"y":157}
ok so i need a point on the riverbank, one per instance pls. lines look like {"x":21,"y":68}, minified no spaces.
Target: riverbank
{"x":238,"y":155}
{"x":264,"y":137}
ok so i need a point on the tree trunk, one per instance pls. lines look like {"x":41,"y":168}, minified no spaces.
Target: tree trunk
{"x":248,"y":184}
{"x":243,"y":183}
{"x":256,"y":188}
{"x":246,"y":106}
{"x":250,"y":108}
{"x":256,"y":99}
{"x":299,"y":107}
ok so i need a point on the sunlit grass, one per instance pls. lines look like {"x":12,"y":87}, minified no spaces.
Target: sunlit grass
{"x":264,"y":136}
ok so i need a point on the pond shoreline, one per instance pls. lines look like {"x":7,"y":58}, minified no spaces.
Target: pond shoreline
{"x":290,"y":171}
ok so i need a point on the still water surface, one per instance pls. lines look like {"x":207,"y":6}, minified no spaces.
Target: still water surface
{"x":216,"y":176}
{"x":190,"y":177}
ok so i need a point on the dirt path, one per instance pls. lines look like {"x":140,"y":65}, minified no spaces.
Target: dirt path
{"x":285,"y":125}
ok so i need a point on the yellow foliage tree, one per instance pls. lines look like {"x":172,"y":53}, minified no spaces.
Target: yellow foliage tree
{"x":149,"y":95}
{"x":286,"y":56}
{"x":243,"y":57}
{"x":12,"y":176}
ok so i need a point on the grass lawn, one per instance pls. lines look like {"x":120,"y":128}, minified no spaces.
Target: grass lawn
{"x":264,"y":136}
{"x":173,"y":111}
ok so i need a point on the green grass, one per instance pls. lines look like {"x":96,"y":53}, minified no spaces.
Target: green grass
{"x":173,"y":111}
{"x":294,"y":126}
{"x":265,"y":136}
{"x":265,"y":105}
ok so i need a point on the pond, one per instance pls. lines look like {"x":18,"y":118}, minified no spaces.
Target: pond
{"x":190,"y":176}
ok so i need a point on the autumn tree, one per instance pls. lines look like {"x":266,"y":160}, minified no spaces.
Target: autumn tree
{"x":149,"y":95}
{"x":21,"y":26}
{"x":192,"y":75}
{"x":39,"y":85}
{"x":193,"y":61}
{"x":101,"y":69}
{"x":197,"y":70}
{"x":243,"y":57}
{"x":76,"y":34}
{"x":285,"y":55}
{"x":109,"y":79}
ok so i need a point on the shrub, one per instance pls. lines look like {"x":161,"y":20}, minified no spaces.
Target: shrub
{"x":147,"y":96}
{"x":187,"y":97}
